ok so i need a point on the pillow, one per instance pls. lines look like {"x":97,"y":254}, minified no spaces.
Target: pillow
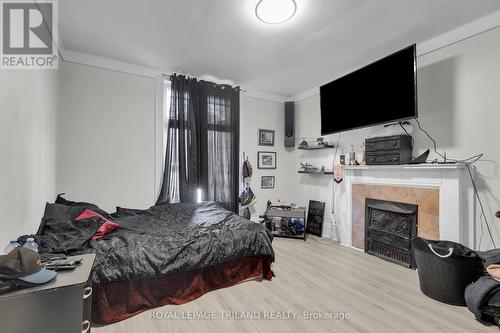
{"x":60,"y":200}
{"x":55,"y":216}
{"x":123,"y":212}
{"x":106,"y":228}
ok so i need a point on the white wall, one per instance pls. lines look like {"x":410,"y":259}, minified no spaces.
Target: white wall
{"x":262,"y":114}
{"x":105,"y":137}
{"x":28,"y":103}
{"x":319,"y":187}
{"x":459,"y":104}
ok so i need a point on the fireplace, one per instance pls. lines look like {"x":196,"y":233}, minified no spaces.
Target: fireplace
{"x":389,"y":228}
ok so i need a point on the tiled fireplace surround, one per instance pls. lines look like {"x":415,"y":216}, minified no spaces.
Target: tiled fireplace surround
{"x":443,"y":194}
{"x":427,"y":200}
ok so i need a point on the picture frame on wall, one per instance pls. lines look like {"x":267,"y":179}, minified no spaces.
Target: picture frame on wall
{"x":267,"y":182}
{"x":266,"y":160}
{"x":266,"y":137}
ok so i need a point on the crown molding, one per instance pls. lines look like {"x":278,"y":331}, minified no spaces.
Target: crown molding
{"x":265,"y":96}
{"x":110,"y":64}
{"x":306,"y":94}
{"x":150,"y":72}
{"x":469,"y":30}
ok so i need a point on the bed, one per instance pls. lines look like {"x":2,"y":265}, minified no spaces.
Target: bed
{"x":167,"y":254}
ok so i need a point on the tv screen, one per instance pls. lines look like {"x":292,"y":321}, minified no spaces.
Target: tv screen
{"x":382,"y":92}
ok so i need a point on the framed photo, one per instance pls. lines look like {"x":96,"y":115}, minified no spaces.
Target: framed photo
{"x":266,"y":160}
{"x":266,"y":137}
{"x":267,"y":182}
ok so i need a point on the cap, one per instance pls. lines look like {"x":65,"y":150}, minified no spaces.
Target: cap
{"x":25,"y":267}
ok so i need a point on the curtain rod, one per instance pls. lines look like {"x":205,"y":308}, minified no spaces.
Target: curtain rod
{"x":200,"y":79}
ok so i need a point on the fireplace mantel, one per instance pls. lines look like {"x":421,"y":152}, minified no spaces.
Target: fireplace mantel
{"x":428,"y":166}
{"x":456,"y":196}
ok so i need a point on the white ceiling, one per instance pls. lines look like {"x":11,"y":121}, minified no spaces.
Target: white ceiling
{"x":224,"y":39}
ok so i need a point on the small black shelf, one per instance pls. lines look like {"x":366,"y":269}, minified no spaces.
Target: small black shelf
{"x":297,"y":213}
{"x":316,"y":147}
{"x":285,"y":235}
{"x":317,"y":172}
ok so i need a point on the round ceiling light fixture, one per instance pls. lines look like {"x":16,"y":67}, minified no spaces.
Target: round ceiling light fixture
{"x":275,"y":11}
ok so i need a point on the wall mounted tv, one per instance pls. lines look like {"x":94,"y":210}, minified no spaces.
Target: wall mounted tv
{"x":382,"y":92}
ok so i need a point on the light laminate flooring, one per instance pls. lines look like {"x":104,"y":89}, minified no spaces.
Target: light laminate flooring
{"x":313,"y":277}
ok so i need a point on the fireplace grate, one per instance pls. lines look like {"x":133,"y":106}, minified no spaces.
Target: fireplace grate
{"x":389,"y":228}
{"x":388,"y":253}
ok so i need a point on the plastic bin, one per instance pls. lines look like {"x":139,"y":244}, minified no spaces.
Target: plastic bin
{"x":445,"y":269}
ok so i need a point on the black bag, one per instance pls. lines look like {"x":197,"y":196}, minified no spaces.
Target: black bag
{"x":445,"y":269}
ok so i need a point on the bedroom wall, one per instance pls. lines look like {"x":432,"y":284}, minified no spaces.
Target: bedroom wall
{"x":459,"y":105}
{"x":105,"y":137}
{"x":28,"y":100}
{"x":263,"y":114}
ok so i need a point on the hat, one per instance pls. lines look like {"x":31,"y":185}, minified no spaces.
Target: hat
{"x":24,"y":266}
{"x":247,"y":169}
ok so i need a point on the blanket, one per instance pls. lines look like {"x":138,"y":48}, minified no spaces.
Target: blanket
{"x":158,"y":241}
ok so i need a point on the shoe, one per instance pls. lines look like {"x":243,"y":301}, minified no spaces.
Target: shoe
{"x":246,"y":197}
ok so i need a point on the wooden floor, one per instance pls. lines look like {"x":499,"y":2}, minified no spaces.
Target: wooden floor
{"x":314,"y":277}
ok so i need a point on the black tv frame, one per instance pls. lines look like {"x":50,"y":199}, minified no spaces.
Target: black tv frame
{"x":397,"y":120}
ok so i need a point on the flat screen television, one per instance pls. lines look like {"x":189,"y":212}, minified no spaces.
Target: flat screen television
{"x":382,"y":92}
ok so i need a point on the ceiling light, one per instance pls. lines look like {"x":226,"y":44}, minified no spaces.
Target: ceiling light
{"x":275,"y":11}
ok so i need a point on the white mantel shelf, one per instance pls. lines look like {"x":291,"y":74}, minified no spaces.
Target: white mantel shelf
{"x":428,"y":166}
{"x":456,"y":196}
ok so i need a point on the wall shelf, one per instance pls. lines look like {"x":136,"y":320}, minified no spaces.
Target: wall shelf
{"x":316,"y":147}
{"x":317,"y":172}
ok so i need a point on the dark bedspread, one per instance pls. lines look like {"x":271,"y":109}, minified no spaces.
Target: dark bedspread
{"x":172,"y":238}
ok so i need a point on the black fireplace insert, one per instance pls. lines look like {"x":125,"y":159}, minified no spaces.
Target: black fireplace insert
{"x":389,"y":229}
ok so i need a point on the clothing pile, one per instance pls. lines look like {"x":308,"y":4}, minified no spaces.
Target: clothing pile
{"x":483,"y":296}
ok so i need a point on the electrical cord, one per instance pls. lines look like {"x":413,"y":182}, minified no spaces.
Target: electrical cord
{"x":430,"y":138}
{"x":476,"y":192}
{"x":470,"y":160}
{"x":333,"y":198}
{"x":404,"y":129}
{"x":468,"y":163}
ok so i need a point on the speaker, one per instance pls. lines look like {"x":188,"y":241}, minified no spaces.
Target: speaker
{"x":289,"y":124}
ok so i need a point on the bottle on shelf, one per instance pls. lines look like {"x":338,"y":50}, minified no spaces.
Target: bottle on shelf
{"x":352,"y":156}
{"x":31,"y":244}
{"x":363,"y":154}
{"x":11,"y":246}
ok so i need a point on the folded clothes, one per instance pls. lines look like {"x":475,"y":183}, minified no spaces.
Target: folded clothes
{"x":494,"y":271}
{"x":483,"y":296}
{"x":478,"y":293}
{"x":489,"y":257}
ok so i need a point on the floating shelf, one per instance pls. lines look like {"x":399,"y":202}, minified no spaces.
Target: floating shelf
{"x":316,"y":147}
{"x":317,"y":172}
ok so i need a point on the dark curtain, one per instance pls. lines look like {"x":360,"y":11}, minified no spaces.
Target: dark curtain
{"x":219,"y":137}
{"x":181,"y":176}
{"x":202,"y":143}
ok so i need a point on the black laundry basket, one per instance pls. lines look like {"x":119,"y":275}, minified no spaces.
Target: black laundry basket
{"x":445,"y":269}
